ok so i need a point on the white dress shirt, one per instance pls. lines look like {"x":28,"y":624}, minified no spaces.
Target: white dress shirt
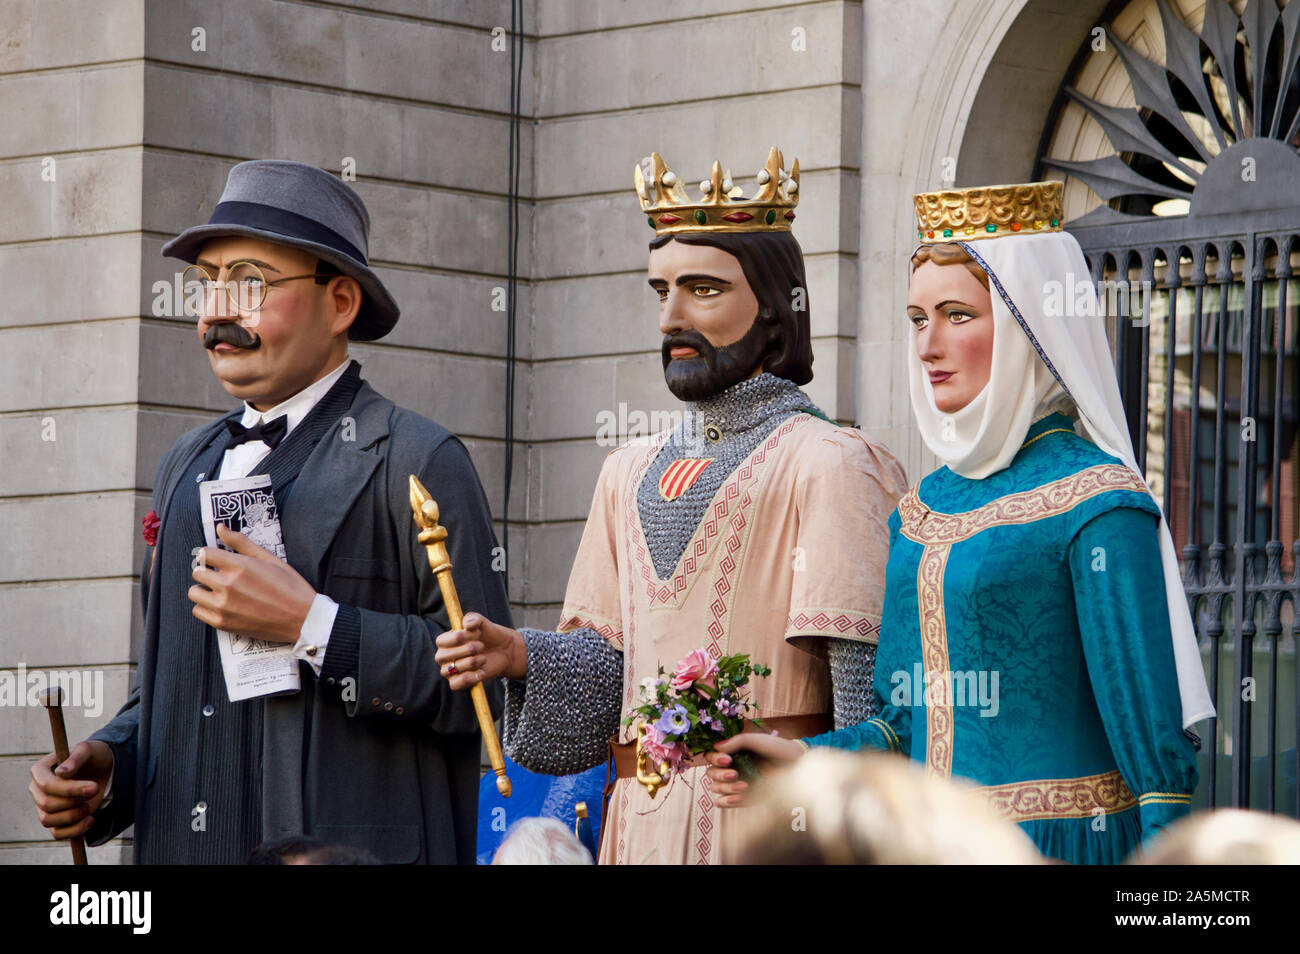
{"x":242,"y":460}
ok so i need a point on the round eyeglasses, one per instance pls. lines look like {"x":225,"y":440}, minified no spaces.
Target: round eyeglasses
{"x":246,"y":287}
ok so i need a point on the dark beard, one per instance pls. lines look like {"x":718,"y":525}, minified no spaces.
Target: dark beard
{"x":713,"y":370}
{"x":230,"y":333}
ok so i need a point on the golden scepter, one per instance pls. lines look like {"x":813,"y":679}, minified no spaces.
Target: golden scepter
{"x":434,"y":538}
{"x":52,"y":699}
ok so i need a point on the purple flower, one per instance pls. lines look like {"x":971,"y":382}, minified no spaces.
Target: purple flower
{"x":674,"y":721}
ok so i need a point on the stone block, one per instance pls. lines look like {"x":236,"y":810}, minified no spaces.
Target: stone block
{"x":575,"y":392}
{"x":67,"y":451}
{"x":460,"y":313}
{"x":44,"y":536}
{"x":550,"y":548}
{"x":323,"y":127}
{"x":111,"y":106}
{"x":567,"y":478}
{"x":96,"y":192}
{"x":204,"y":112}
{"x":561,"y":16}
{"x":69,"y":622}
{"x":729,"y":56}
{"x":97,"y":365}
{"x":69,"y":280}
{"x":40,"y":114}
{"x":597,"y":153}
{"x":464,"y":395}
{"x":46,"y":34}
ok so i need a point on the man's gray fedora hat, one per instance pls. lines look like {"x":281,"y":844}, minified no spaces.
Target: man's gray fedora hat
{"x":296,"y":204}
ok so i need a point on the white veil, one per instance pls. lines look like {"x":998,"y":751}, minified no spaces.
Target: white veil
{"x":1047,"y":359}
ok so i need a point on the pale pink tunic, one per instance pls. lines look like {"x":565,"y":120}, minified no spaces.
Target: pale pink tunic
{"x":792,"y":548}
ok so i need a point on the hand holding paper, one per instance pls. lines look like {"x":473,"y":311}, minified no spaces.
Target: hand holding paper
{"x":251,"y":591}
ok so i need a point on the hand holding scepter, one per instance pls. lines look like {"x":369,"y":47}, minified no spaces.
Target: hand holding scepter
{"x":434,"y":537}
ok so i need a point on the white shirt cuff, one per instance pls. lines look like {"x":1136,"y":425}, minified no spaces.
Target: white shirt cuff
{"x":315,"y":635}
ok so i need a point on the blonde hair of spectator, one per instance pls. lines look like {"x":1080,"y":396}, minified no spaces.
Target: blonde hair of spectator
{"x":853,"y":808}
{"x":1225,"y":836}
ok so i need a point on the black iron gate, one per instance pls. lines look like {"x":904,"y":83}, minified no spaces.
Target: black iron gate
{"x":1204,"y":321}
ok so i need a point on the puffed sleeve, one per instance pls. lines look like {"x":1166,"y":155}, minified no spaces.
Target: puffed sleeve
{"x":849,"y":487}
{"x":1124,"y":625}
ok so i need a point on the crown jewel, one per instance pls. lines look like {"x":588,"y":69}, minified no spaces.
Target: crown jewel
{"x":953,"y":215}
{"x":723,"y":206}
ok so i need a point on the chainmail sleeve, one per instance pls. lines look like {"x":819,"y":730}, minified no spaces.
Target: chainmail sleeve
{"x":559,"y":719}
{"x":853,"y":666}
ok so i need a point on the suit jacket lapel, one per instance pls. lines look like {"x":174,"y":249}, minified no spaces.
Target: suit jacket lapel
{"x":330,"y":480}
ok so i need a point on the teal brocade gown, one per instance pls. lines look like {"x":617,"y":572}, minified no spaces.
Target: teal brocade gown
{"x":1025,"y":646}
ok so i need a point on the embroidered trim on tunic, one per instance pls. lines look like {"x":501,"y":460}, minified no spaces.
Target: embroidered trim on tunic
{"x":926,"y":526}
{"x":939,"y":724}
{"x":610,"y":631}
{"x":937,"y":532}
{"x":1047,"y":798}
{"x":832,"y":621}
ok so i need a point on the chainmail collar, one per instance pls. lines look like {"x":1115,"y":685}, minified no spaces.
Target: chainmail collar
{"x":740,"y":408}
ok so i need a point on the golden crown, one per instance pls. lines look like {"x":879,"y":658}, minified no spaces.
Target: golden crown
{"x":724,"y":207}
{"x":988,"y":212}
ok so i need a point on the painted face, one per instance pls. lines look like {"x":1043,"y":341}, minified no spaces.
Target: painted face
{"x":706,"y":313}
{"x":298,"y":335}
{"x":952,"y":319}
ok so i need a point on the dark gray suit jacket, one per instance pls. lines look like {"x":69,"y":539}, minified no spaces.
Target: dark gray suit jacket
{"x":396,"y":770}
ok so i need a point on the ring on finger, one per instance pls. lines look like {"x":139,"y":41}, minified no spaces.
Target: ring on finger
{"x":451,"y":669}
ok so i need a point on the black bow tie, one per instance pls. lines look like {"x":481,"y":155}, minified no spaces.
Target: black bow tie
{"x":269,"y":432}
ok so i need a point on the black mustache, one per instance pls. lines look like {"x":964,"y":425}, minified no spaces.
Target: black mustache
{"x":230,"y":333}
{"x":690,"y":339}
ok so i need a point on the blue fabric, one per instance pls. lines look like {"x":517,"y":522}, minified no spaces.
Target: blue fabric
{"x":532,"y":795}
{"x":1069,"y":611}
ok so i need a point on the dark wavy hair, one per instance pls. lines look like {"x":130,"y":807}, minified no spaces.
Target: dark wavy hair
{"x":773,"y":265}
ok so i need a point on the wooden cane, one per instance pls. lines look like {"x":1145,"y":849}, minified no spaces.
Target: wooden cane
{"x":52,"y":699}
{"x":434,"y":538}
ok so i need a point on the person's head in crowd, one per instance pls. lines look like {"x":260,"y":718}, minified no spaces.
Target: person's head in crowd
{"x":306,"y":850}
{"x":541,"y":841}
{"x":1225,"y":836}
{"x":852,"y":808}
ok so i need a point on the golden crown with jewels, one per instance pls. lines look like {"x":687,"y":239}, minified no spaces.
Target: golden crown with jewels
{"x":724,"y":207}
{"x":960,"y":215}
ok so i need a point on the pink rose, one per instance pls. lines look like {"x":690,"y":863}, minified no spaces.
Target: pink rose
{"x":695,"y":666}
{"x":653,"y":743}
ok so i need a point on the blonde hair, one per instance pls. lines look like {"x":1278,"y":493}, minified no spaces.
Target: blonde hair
{"x":834,"y":807}
{"x":1225,"y":836}
{"x":949,"y":253}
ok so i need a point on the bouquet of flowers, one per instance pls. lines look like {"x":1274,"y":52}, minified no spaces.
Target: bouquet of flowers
{"x":703,"y":702}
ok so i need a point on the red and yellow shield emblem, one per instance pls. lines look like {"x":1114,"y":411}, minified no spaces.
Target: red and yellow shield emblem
{"x":679,"y":476}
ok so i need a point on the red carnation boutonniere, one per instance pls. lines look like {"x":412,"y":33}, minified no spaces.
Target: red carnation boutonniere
{"x":151,"y":523}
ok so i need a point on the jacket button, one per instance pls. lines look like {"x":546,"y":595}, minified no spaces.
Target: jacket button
{"x":388,"y":705}
{"x":375,"y":701}
{"x":329,"y":680}
{"x":399,"y":710}
{"x":208,"y":710}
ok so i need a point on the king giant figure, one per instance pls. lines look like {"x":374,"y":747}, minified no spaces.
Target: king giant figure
{"x":756,"y":525}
